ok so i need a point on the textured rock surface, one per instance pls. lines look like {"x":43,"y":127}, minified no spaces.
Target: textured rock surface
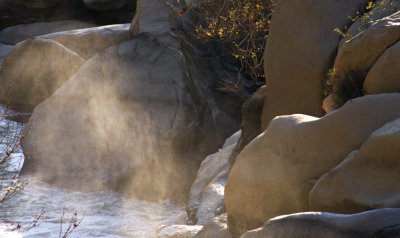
{"x":16,"y":34}
{"x":89,"y":41}
{"x":35,"y":69}
{"x":297,"y":56}
{"x":384,"y":76}
{"x":375,"y":223}
{"x":274,"y":173}
{"x":367,"y":179}
{"x":207,"y":192}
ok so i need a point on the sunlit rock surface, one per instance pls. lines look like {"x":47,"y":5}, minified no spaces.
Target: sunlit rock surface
{"x":367,"y":179}
{"x":375,"y":223}
{"x":384,"y":75}
{"x":15,"y":34}
{"x":274,"y":174}
{"x":89,"y":41}
{"x":207,"y":192}
{"x":357,"y":56}
{"x":35,"y":69}
{"x":297,"y":56}
{"x":381,"y":9}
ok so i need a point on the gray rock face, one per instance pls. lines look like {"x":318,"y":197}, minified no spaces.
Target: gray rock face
{"x":16,"y":34}
{"x":377,"y":223}
{"x":89,"y":41}
{"x":280,"y":165}
{"x":297,"y":56}
{"x":367,"y":179}
{"x":4,"y":50}
{"x":140,"y":117}
{"x":35,"y":69}
{"x":207,"y":192}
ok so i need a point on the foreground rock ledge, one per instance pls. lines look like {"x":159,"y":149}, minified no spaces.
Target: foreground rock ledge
{"x":274,"y":174}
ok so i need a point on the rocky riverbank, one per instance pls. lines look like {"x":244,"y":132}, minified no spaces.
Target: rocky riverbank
{"x":129,"y":103}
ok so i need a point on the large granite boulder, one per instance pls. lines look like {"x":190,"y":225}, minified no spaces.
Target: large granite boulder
{"x":367,"y":179}
{"x":384,"y":76}
{"x":138,"y":117}
{"x":15,"y":34}
{"x":33,"y":70}
{"x":377,"y":224}
{"x":297,"y":56}
{"x":89,"y":41}
{"x":356,"y":57}
{"x":274,"y":174}
{"x":207,"y":192}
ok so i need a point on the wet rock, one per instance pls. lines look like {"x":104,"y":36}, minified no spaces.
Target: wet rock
{"x":89,"y":41}
{"x":35,"y":69}
{"x":297,"y":56}
{"x":367,"y":179}
{"x":329,"y":225}
{"x":178,"y":231}
{"x":16,"y":34}
{"x":274,"y":174}
{"x":216,"y":228}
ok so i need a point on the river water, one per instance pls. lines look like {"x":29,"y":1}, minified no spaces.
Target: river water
{"x":102,"y":214}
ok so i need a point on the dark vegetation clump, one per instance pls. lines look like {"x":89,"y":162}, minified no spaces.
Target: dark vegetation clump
{"x":235,"y":32}
{"x":344,"y":86}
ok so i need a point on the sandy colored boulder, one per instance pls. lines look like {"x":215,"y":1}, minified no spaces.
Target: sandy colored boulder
{"x":297,"y":56}
{"x":384,"y":76}
{"x":15,"y":34}
{"x":274,"y":173}
{"x":89,"y":41}
{"x":383,"y":8}
{"x":329,"y":225}
{"x":356,"y":57}
{"x":35,"y":69}
{"x":367,"y":179}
